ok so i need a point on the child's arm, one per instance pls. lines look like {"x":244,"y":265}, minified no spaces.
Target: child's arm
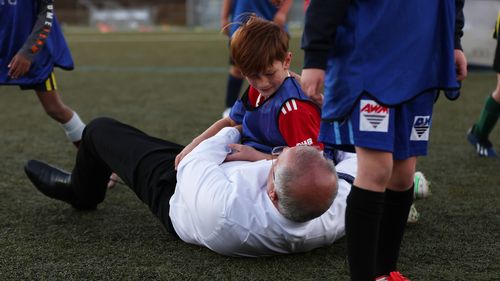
{"x":21,"y":62}
{"x":224,"y":16}
{"x":211,"y":131}
{"x":282,"y":14}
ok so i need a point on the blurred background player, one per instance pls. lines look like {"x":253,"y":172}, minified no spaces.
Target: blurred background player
{"x":32,"y":45}
{"x":478,"y":134}
{"x":234,"y":11}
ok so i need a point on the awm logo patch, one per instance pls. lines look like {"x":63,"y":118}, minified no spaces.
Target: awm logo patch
{"x":420,"y":130}
{"x":373,"y":117}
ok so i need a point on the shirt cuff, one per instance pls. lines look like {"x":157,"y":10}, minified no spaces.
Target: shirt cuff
{"x":315,"y":59}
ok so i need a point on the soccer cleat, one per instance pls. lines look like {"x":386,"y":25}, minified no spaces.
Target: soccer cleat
{"x":421,"y":187}
{"x":397,"y":276}
{"x":393,"y":276}
{"x":483,"y":148}
{"x":413,"y":215}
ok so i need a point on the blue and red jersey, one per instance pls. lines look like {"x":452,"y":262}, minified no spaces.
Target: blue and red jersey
{"x":286,"y":118}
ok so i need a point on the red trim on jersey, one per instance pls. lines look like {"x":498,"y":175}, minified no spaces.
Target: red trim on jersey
{"x":253,"y":96}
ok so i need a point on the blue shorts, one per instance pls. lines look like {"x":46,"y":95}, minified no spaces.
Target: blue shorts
{"x":402,"y":130}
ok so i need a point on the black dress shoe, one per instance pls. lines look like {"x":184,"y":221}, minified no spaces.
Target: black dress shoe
{"x":54,"y":183}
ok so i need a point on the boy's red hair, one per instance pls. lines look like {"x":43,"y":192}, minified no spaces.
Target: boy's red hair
{"x":257,"y":44}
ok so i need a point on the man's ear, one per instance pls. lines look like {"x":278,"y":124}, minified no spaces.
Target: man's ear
{"x":272,"y":194}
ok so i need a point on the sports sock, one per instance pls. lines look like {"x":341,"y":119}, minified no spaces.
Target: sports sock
{"x":233,"y":90}
{"x":396,"y":208}
{"x":363,"y":213}
{"x":487,"y":119}
{"x":74,"y":128}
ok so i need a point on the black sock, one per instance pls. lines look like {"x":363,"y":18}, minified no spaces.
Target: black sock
{"x":233,"y":90}
{"x":392,"y":227}
{"x":363,"y":213}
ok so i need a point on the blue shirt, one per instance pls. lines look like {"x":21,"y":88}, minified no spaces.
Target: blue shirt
{"x":241,"y":9}
{"x":16,"y":24}
{"x":392,"y":50}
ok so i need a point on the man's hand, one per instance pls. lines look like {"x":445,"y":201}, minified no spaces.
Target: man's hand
{"x":19,"y":66}
{"x":311,"y":81}
{"x":461,"y":64}
{"x":242,"y":152}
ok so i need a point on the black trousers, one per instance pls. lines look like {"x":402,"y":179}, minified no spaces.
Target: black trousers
{"x":145,"y":163}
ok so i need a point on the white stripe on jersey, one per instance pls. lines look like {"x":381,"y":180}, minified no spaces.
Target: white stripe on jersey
{"x":289,"y":106}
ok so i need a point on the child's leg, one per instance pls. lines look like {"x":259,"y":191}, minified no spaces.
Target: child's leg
{"x":412,"y":131}
{"x":365,"y":205}
{"x":57,"y":110}
{"x":54,"y":106}
{"x":234,"y":83}
{"x":398,"y":200}
{"x":489,"y":114}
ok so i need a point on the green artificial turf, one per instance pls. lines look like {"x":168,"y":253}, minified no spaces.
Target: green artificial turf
{"x":172,"y":85}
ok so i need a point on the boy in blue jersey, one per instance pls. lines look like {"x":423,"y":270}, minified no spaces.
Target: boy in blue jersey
{"x":237,"y":11}
{"x":273,"y":111}
{"x":32,"y":45}
{"x":386,"y":62}
{"x":478,"y":134}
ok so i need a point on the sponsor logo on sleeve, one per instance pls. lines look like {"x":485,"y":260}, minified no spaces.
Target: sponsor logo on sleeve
{"x":373,"y":117}
{"x":309,"y":141}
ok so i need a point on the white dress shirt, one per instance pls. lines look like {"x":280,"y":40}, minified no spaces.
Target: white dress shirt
{"x":225,"y":206}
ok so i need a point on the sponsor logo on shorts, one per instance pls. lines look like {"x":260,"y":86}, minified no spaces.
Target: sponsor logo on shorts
{"x":420,"y":130}
{"x":373,"y":117}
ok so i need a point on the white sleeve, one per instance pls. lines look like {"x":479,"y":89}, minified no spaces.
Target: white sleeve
{"x":213,"y":149}
{"x":202,"y":188}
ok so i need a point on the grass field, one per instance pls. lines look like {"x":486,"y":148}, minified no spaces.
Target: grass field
{"x":172,"y":85}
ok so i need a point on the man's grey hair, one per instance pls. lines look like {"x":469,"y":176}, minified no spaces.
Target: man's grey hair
{"x":292,"y":207}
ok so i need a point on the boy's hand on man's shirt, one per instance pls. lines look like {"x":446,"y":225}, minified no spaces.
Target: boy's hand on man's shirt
{"x":241,"y":152}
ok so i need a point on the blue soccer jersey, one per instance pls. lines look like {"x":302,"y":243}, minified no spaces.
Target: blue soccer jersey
{"x":260,"y":124}
{"x":17,"y":19}
{"x":371,"y":53}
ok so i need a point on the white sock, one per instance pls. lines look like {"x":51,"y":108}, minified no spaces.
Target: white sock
{"x":74,"y":128}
